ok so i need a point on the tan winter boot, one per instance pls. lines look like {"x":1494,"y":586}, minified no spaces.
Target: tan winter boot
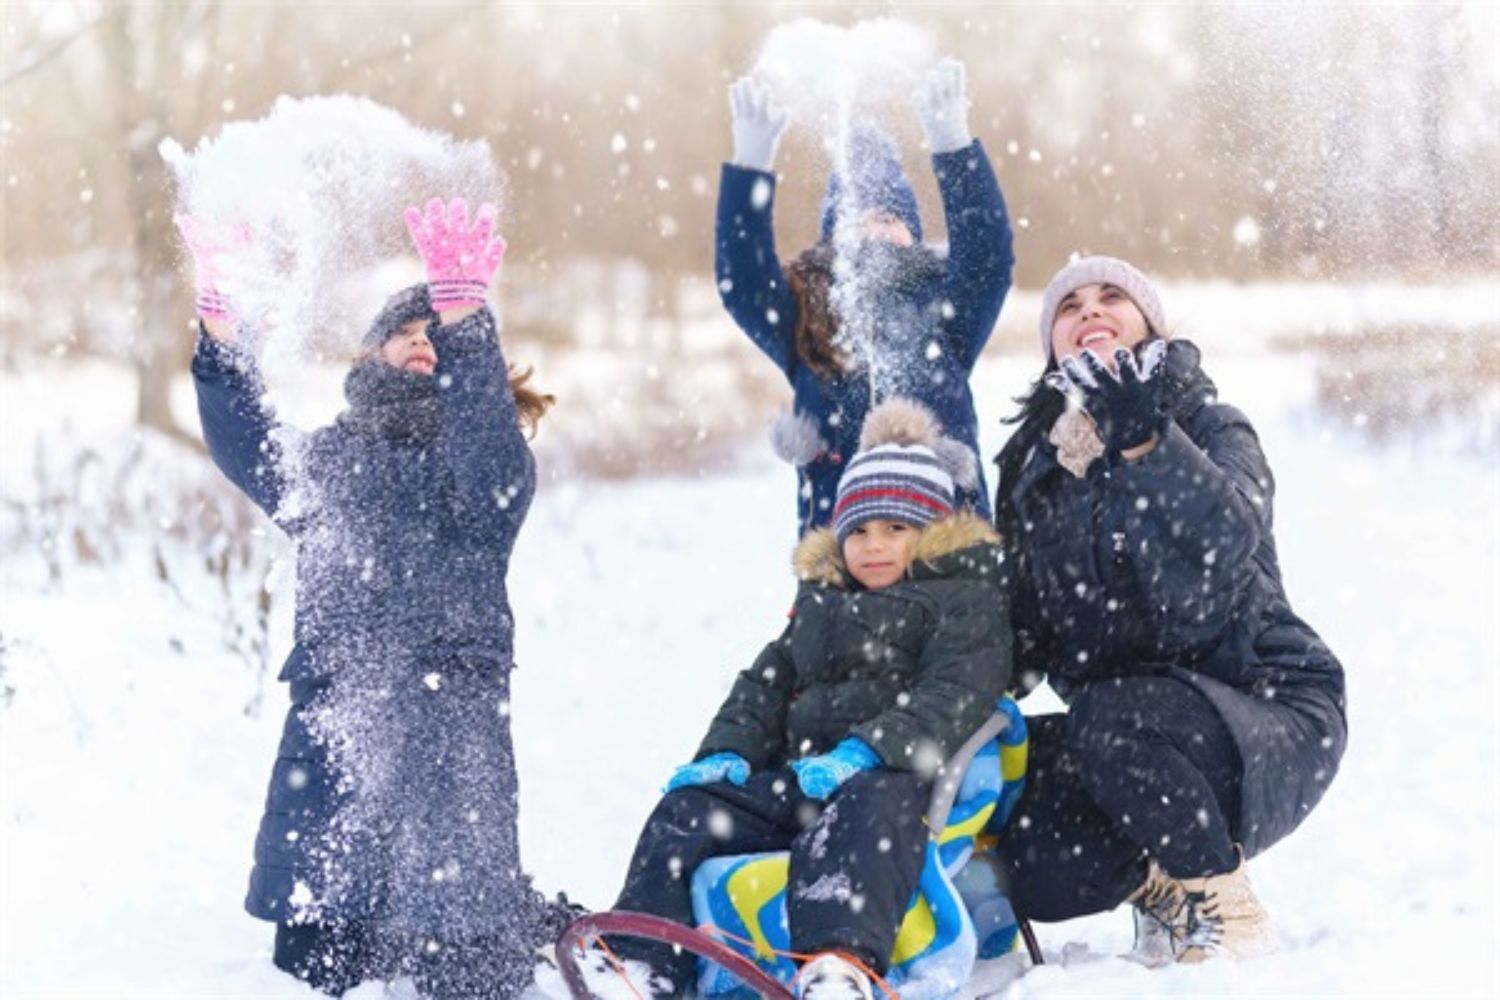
{"x":1235,"y":923}
{"x":1194,"y":919}
{"x":1156,"y":907}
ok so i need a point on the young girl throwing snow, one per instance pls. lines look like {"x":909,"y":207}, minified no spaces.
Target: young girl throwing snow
{"x":389,"y":841}
{"x":869,"y":312}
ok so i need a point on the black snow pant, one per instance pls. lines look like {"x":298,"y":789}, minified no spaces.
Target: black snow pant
{"x":1138,"y":768}
{"x":855,"y":861}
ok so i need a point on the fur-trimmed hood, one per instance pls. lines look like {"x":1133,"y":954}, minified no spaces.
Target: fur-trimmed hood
{"x":819,"y":559}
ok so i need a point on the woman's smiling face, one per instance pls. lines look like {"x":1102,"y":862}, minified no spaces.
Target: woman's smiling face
{"x":1098,"y":318}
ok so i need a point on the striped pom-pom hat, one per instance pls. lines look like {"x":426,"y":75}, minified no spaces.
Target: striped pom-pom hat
{"x":897,"y":474}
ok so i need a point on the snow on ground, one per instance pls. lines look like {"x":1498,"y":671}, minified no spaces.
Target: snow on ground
{"x":133,"y":773}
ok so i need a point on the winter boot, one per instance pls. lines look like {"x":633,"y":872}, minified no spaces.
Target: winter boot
{"x":612,"y":978}
{"x":553,"y":915}
{"x":332,"y":958}
{"x":1190,"y":920}
{"x":832,"y":976}
{"x":1154,"y":906}
{"x":1240,"y":926}
{"x":491,"y":967}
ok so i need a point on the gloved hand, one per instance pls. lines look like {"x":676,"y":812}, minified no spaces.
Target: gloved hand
{"x":212,"y":244}
{"x":1126,"y":404}
{"x":730,"y":767}
{"x":820,"y":776}
{"x":461,"y":259}
{"x":757,"y":122}
{"x":942,"y":105}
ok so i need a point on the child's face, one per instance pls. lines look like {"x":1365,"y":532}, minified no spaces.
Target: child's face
{"x":880,"y":226}
{"x":879,"y":552}
{"x":410,"y":350}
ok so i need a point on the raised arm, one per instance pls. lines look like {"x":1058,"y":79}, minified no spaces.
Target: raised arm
{"x":750,"y":279}
{"x":483,"y":444}
{"x":981,"y":254}
{"x":238,"y":426}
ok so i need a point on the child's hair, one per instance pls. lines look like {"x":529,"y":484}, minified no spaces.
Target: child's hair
{"x":917,"y":528}
{"x":531,"y":404}
{"x":810,"y":277}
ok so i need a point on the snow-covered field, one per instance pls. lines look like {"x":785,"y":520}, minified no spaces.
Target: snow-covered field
{"x":133,"y":773}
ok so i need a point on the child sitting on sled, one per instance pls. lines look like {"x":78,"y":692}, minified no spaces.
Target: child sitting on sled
{"x":897,"y":650}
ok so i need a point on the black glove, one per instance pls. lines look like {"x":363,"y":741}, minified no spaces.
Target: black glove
{"x":1126,"y":404}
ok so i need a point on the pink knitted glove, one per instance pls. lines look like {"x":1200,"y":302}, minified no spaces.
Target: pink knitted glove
{"x":461,"y":259}
{"x":212,"y":244}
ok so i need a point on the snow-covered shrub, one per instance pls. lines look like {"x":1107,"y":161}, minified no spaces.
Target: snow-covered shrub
{"x":1407,"y":381}
{"x":141,"y":509}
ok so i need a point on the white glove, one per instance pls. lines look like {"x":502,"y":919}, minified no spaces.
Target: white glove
{"x":943,"y":107}
{"x":758,"y":122}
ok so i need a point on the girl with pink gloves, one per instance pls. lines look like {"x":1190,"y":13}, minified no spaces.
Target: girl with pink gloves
{"x":388,"y":843}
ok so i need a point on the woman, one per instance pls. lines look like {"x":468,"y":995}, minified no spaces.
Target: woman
{"x":389,"y":837}
{"x":1205,"y":718}
{"x":898,"y":319}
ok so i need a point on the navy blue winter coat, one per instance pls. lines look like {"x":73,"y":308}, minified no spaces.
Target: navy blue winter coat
{"x":401,"y":545}
{"x":404,"y":513}
{"x":934,"y":333}
{"x":1167,"y":565}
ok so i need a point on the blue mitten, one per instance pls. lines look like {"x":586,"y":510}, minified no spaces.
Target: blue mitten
{"x":730,"y":767}
{"x":821,"y":776}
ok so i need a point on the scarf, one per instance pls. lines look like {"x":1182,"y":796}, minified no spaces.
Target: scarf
{"x":386,"y":402}
{"x":1076,"y":440}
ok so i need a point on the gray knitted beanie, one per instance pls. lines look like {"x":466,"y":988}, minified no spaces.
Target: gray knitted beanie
{"x":1101,"y":271}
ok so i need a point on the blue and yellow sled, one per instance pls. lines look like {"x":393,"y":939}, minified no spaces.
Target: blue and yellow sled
{"x":957,"y":914}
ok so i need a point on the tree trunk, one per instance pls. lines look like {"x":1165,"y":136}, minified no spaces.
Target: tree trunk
{"x":161,"y":345}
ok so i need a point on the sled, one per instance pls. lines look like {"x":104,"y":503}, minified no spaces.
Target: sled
{"x":739,"y":901}
{"x":571,"y":941}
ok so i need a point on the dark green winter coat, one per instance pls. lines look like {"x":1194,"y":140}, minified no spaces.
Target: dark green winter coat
{"x":912,"y":669}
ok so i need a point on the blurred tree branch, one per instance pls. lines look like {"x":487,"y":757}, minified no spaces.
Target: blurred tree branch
{"x":34,"y":59}
{"x":451,"y":21}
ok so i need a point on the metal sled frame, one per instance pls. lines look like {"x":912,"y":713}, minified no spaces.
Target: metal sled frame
{"x":640,"y":925}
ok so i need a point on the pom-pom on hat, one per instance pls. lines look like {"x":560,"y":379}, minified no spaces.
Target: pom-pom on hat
{"x":903,"y":471}
{"x":400,"y":309}
{"x":874,"y":180}
{"x":1101,"y":271}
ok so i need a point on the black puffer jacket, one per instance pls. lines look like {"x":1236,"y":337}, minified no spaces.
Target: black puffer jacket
{"x":912,"y":669}
{"x":1167,"y":564}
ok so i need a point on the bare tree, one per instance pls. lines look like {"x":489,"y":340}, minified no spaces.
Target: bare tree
{"x":1154,"y":131}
